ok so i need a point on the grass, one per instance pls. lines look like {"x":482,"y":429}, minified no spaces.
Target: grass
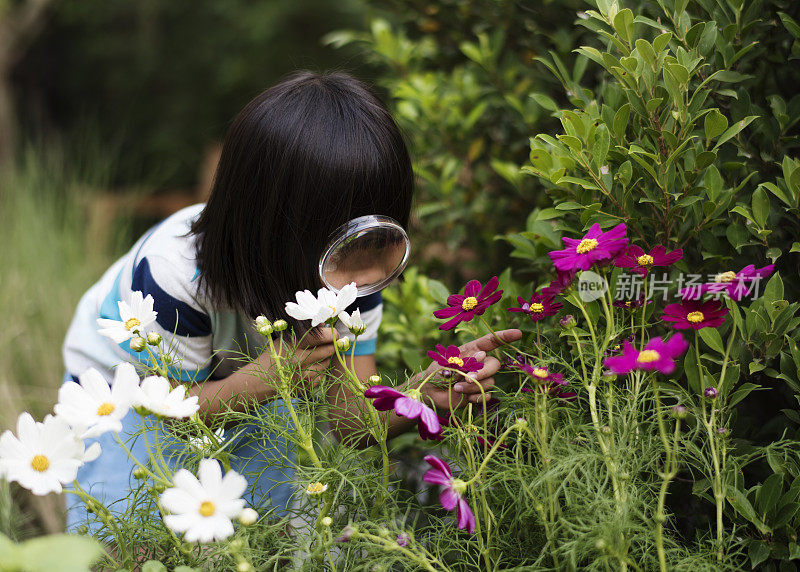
{"x":52,"y":248}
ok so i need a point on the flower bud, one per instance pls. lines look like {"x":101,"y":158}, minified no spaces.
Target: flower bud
{"x":343,"y":344}
{"x":600,"y":544}
{"x":605,"y":430}
{"x":567,"y":322}
{"x":710,"y":393}
{"x":374,"y":379}
{"x":347,"y":533}
{"x":521,"y":423}
{"x":153,"y":338}
{"x":236,"y":545}
{"x":679,"y":412}
{"x":83,"y":529}
{"x":265,"y":330}
{"x":138,"y":343}
{"x":280,"y":325}
{"x":722,"y":430}
{"x":402,"y":540}
{"x":248,"y":516}
{"x":326,"y":521}
{"x":609,"y":376}
{"x":90,"y":507}
{"x":139,"y":473}
{"x":244,"y":566}
{"x":261,"y":321}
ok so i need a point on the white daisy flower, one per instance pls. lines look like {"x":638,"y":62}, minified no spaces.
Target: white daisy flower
{"x":316,"y":489}
{"x":42,"y":456}
{"x":159,"y":397}
{"x":325,"y":306}
{"x":134,"y":317}
{"x":94,"y":404}
{"x":353,"y":322}
{"x":206,"y":444}
{"x":203,"y":508}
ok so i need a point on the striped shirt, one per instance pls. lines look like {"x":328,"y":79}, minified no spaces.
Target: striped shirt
{"x":207,"y":342}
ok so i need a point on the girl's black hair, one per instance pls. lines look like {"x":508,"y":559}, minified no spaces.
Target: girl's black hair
{"x":301,"y":159}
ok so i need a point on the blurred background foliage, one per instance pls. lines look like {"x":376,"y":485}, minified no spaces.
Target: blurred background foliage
{"x":133,"y":94}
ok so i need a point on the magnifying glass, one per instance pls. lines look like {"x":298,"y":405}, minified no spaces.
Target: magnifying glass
{"x":370,"y":250}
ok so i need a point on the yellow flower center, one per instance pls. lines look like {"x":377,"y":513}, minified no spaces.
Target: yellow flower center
{"x":728,"y":276}
{"x":469,"y":303}
{"x":540,"y":372}
{"x":537,"y":307}
{"x":458,"y":486}
{"x":647,"y":356}
{"x":132,"y":323}
{"x":316,"y":488}
{"x":105,"y":409}
{"x":207,"y":508}
{"x":644,"y":260}
{"x":587,"y":245}
{"x":40,"y":463}
{"x":695,"y":317}
{"x":456,"y":360}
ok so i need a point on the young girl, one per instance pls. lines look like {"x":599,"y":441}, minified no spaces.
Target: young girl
{"x":300,"y":160}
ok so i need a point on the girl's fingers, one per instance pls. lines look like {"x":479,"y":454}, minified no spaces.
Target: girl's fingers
{"x":468,"y":387}
{"x":491,"y":366}
{"x":324,"y":336}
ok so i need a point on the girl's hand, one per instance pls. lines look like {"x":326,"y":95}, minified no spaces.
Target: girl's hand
{"x":467,"y":389}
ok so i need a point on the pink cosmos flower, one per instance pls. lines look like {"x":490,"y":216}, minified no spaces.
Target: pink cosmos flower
{"x":541,"y":306}
{"x":640,"y":262}
{"x":657,"y":354}
{"x":406,"y":405}
{"x":631,"y":304}
{"x":452,"y":493}
{"x":451,"y":357}
{"x":473,"y":303}
{"x":695,"y":315}
{"x":736,"y":284}
{"x":595,"y":246}
{"x":562,"y":282}
{"x":546,"y":381}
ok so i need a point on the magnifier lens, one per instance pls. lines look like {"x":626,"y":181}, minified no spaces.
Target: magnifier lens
{"x":370,"y":251}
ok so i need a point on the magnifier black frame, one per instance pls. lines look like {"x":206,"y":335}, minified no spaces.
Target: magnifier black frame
{"x":354,"y":227}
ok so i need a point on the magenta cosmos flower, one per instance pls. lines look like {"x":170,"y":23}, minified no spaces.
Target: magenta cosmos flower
{"x":736,"y":284}
{"x":695,"y":315}
{"x":545,"y":380}
{"x":452,"y":495}
{"x":541,"y":306}
{"x":640,"y":261}
{"x":657,"y":354}
{"x":473,"y":303}
{"x":451,"y":357}
{"x":595,"y":246}
{"x":562,"y":282}
{"x":406,"y":405}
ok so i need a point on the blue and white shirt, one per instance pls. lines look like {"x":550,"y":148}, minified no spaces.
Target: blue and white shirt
{"x":208,"y":342}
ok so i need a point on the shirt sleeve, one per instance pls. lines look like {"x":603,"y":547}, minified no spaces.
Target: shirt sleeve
{"x":185,"y":327}
{"x":371,"y":308}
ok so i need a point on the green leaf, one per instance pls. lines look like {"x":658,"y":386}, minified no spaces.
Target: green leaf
{"x":438,"y":291}
{"x":621,"y":121}
{"x":774,"y":289}
{"x":602,"y":142}
{"x":661,"y":41}
{"x":760,"y":206}
{"x":692,"y":373}
{"x":790,"y":24}
{"x":623,"y":24}
{"x":758,"y":552}
{"x":741,"y":393}
{"x":715,"y":124}
{"x":734,"y":129}
{"x":741,"y":505}
{"x":647,"y":52}
{"x":679,"y":72}
{"x":769,"y":493}
{"x":712,"y":338}
{"x":545,"y":101}
{"x":62,"y":552}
